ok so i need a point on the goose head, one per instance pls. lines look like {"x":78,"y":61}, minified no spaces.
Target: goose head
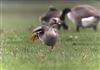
{"x":64,"y":12}
{"x":52,"y":8}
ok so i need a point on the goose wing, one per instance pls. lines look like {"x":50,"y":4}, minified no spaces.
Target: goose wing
{"x":38,"y":29}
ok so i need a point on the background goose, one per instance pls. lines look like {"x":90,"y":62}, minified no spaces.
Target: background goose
{"x":84,"y":16}
{"x":47,"y":34}
{"x":62,"y":20}
{"x":51,"y":13}
{"x":57,"y":16}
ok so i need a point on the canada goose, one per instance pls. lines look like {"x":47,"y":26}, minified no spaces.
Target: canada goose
{"x":56,"y":14}
{"x":62,"y":20}
{"x":47,"y":34}
{"x":83,"y":16}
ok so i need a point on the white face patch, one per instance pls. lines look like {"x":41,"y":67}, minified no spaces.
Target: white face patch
{"x":56,"y":19}
{"x":70,"y":17}
{"x":88,"y":21}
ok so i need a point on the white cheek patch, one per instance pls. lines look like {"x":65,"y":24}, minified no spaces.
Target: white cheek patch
{"x":57,"y":20}
{"x":70,"y":17}
{"x":88,"y":21}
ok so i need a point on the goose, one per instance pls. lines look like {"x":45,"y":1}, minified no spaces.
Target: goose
{"x":83,"y":16}
{"x":47,"y":34}
{"x":57,"y":16}
{"x":51,"y":13}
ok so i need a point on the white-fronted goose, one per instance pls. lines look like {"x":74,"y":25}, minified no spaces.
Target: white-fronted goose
{"x":84,"y":16}
{"x":47,"y":34}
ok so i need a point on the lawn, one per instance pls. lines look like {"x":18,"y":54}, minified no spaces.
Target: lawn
{"x":73,"y":51}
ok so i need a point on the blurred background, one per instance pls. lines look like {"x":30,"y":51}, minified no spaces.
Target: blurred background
{"x":74,"y":51}
{"x":35,"y":8}
{"x":32,"y":7}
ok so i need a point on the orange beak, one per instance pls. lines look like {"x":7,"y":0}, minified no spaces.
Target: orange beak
{"x":34,"y":37}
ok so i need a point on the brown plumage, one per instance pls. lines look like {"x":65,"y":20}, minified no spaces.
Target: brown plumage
{"x":57,"y":15}
{"x":47,"y":34}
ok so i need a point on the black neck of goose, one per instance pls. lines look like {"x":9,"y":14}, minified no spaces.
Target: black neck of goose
{"x":64,"y":12}
{"x":62,"y":17}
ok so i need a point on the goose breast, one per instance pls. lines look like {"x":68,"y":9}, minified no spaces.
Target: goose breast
{"x":50,"y":37}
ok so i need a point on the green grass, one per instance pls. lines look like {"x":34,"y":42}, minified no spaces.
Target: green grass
{"x":70,"y":53}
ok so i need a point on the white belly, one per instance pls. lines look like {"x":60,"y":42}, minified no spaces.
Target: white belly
{"x":88,"y":21}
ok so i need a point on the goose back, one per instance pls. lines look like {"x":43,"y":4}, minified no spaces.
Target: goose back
{"x":50,"y":14}
{"x":82,"y":11}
